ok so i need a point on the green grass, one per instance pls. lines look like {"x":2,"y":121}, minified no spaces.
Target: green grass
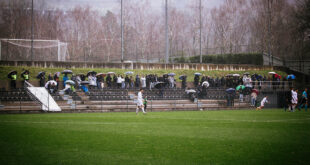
{"x":196,"y":137}
{"x":4,"y":70}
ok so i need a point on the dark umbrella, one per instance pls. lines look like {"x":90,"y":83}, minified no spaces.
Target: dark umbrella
{"x":171,"y":74}
{"x":230,"y":90}
{"x":91,"y":73}
{"x":101,"y":74}
{"x":12,"y":73}
{"x":40,"y":74}
{"x":67,"y":72}
{"x":159,"y":85}
{"x":25,"y":72}
{"x":84,"y":82}
{"x":197,"y":74}
{"x":182,"y":77}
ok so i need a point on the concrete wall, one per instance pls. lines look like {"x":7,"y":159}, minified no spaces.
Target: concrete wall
{"x":141,"y":66}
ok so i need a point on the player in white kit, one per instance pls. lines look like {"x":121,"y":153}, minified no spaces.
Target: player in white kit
{"x":262,"y":103}
{"x":140,"y":102}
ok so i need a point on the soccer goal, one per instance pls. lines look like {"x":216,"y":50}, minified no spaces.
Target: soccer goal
{"x":43,"y":50}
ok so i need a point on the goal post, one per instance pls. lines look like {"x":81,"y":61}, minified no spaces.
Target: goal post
{"x":43,"y":50}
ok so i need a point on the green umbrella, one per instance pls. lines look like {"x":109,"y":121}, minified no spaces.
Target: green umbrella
{"x":240,"y":86}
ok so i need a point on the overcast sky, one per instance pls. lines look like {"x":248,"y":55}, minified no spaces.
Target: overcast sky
{"x":104,"y":5}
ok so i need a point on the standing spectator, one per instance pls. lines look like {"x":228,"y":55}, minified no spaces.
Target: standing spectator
{"x":25,"y":76}
{"x":41,"y":77}
{"x":50,"y":77}
{"x":123,"y":85}
{"x":109,"y":81}
{"x":119,"y":81}
{"x":196,"y":80}
{"x":253,"y":98}
{"x":115,"y":81}
{"x":92,"y":81}
{"x":131,"y":82}
{"x":127,"y":82}
{"x":64,"y":79}
{"x":143,"y":82}
{"x":13,"y":76}
{"x":184,"y":82}
{"x":56,"y":78}
{"x":137,"y":82}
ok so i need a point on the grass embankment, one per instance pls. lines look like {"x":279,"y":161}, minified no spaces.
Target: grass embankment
{"x":196,"y":137}
{"x":4,"y":70}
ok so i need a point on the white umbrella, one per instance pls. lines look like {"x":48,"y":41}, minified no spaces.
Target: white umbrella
{"x":272,"y":72}
{"x":236,"y":75}
{"x":70,"y":82}
{"x":206,"y":83}
{"x":198,"y":74}
{"x":50,"y":82}
{"x":190,"y":91}
{"x":129,"y":73}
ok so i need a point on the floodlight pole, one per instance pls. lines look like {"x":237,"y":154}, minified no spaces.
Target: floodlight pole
{"x":269,"y":33}
{"x":32,"y":30}
{"x":167,"y":37}
{"x":200,"y":29}
{"x":122,"y":32}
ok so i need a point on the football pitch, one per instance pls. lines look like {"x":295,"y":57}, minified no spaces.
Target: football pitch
{"x":191,"y":137}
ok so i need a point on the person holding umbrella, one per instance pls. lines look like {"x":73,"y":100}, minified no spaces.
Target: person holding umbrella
{"x":41,"y":77}
{"x":109,"y":81}
{"x":25,"y":75}
{"x":196,"y":79}
{"x":183,"y":78}
{"x":240,"y":88}
{"x":13,"y":76}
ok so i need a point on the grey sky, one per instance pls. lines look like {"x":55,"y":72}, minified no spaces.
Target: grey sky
{"x":104,"y":5}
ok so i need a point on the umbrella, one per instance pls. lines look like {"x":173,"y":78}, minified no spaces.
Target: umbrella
{"x":229,"y":75}
{"x":171,"y":74}
{"x":25,"y":72}
{"x":101,"y":74}
{"x":197,"y":74}
{"x":57,"y":73}
{"x":67,"y":72}
{"x":182,"y":77}
{"x":230,"y":90}
{"x":291,"y":76}
{"x":236,"y":75}
{"x":84,"y":82}
{"x":277,"y":76}
{"x":271,"y":72}
{"x":50,"y":82}
{"x":91,"y":73}
{"x":159,"y":85}
{"x":129,"y":73}
{"x":246,"y":73}
{"x":190,"y":91}
{"x":70,"y":82}
{"x":12,"y":73}
{"x":205,"y":83}
{"x":40,"y":74}
{"x":240,"y":86}
{"x":110,"y":73}
{"x":255,"y":90}
{"x":80,"y":74}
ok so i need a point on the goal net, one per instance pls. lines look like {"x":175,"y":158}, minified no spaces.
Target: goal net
{"x":43,"y":50}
